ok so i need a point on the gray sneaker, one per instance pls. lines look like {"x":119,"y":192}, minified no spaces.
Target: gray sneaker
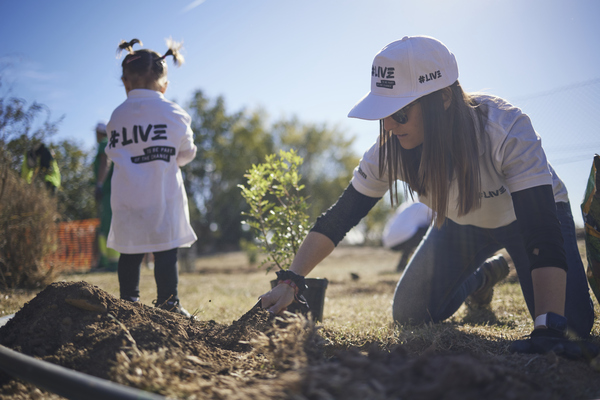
{"x":494,"y":270}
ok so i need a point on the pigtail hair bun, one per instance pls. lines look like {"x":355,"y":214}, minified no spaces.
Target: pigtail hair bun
{"x":128,"y":46}
{"x":174,"y":50}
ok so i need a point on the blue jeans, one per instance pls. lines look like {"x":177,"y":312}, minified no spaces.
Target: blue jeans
{"x":444,"y":271}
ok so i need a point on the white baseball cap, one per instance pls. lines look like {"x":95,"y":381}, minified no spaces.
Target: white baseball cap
{"x":101,"y":127}
{"x":402,"y":72}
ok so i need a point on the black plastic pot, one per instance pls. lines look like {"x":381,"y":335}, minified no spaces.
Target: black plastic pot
{"x":314,"y":295}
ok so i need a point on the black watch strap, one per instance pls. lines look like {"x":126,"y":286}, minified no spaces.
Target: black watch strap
{"x":299,"y":280}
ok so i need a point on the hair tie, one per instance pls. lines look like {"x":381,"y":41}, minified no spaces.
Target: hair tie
{"x":160,"y":61}
{"x":169,"y":52}
{"x":133,"y":58}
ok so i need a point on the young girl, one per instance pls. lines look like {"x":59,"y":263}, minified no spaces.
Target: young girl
{"x":149,"y":140}
{"x":477,"y":162}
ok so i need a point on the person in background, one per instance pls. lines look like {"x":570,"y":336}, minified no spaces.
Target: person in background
{"x":150,"y":138}
{"x":39,"y":163}
{"x":478,"y":163}
{"x":404,"y":231}
{"x":103,"y":169}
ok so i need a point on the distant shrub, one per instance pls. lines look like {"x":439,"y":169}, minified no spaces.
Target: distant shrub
{"x":27,"y":231}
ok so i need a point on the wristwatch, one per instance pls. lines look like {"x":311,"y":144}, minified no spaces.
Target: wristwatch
{"x":551,"y":321}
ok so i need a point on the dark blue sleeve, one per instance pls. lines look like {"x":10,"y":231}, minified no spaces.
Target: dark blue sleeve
{"x":345,"y":214}
{"x":537,"y":218}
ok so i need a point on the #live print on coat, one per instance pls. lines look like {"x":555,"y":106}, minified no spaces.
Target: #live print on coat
{"x":149,"y":138}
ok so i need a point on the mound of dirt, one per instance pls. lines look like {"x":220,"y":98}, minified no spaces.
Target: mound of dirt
{"x":81,"y":327}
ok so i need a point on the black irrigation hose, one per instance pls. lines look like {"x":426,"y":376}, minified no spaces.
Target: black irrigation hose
{"x":66,"y":382}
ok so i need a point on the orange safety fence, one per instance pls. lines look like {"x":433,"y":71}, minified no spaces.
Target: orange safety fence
{"x":77,"y":246}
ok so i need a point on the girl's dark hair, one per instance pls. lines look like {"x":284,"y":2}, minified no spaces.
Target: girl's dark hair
{"x":449,"y":151}
{"x":142,"y":67}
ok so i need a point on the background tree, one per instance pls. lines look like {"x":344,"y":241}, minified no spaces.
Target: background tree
{"x":20,"y":127}
{"x":76,"y":195}
{"x":228,"y":144}
{"x":23,"y":125}
{"x":329,"y":160}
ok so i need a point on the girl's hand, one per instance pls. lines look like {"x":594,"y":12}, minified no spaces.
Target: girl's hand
{"x":278,"y":299}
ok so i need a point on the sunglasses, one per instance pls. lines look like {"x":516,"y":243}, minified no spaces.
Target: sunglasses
{"x":400,"y":116}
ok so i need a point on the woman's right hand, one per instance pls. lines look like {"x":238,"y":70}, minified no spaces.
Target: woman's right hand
{"x":278,"y":299}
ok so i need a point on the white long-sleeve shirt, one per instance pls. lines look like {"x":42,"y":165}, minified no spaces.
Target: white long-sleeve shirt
{"x":511,"y":158}
{"x":149,"y":139}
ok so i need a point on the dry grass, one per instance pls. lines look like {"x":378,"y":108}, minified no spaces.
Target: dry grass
{"x":357,"y":311}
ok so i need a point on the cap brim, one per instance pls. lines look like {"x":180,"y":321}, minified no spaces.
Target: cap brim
{"x":373,"y":107}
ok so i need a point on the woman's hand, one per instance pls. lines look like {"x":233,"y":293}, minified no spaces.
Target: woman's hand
{"x":278,"y":299}
{"x":313,"y":250}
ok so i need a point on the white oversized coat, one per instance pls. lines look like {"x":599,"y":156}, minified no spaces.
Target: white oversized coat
{"x":149,"y":138}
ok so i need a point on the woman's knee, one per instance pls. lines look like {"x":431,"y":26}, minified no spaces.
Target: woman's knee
{"x":408,"y":313}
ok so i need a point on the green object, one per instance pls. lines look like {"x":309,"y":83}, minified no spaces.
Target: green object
{"x":108,"y":258}
{"x":53,"y":176}
{"x":102,"y":150}
{"x":591,"y":217}
{"x":33,"y":165}
{"x":277,"y":210}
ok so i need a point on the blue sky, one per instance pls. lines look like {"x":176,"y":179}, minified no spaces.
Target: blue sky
{"x":312,"y":59}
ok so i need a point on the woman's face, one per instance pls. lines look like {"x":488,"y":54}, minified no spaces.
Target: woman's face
{"x":410,"y":134}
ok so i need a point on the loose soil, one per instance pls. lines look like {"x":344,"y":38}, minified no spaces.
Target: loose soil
{"x":82,"y":327}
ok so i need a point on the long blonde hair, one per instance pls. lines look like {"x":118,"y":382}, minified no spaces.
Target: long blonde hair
{"x":449,"y":150}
